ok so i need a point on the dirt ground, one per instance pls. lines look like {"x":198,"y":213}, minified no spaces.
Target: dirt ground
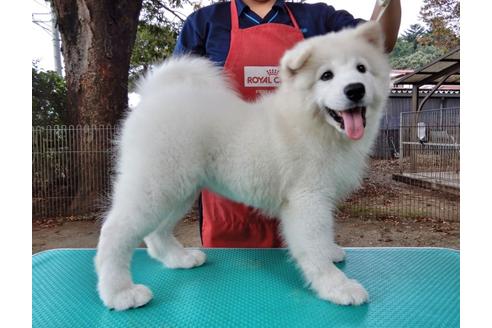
{"x":49,"y":234}
{"x":382,"y":213}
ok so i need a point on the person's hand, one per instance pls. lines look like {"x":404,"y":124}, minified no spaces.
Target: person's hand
{"x":388,"y":14}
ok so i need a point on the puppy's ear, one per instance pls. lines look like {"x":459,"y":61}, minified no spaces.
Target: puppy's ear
{"x":294,"y":59}
{"x":373,"y":33}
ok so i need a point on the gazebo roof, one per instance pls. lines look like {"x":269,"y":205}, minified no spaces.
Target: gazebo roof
{"x":448,"y":66}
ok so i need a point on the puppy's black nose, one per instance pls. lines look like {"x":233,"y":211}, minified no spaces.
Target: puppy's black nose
{"x":355,"y":91}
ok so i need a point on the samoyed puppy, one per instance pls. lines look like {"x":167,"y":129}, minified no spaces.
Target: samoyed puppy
{"x":293,"y":154}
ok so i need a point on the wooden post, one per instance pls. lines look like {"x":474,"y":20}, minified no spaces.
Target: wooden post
{"x":415,"y":97}
{"x":413,"y":129}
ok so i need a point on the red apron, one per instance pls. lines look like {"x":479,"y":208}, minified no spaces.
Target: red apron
{"x":252,"y":62}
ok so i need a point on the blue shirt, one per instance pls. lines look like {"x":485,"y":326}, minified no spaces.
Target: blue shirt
{"x":207,"y":31}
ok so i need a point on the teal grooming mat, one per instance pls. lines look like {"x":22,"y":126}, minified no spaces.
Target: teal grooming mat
{"x":408,"y":287}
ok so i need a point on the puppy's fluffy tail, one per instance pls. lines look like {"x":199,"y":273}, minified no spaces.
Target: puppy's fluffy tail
{"x":183,"y":70}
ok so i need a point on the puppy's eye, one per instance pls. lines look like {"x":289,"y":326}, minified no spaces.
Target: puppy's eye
{"x":328,"y":75}
{"x":361,"y":68}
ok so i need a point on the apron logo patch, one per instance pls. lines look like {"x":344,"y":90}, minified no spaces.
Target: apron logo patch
{"x":261,"y":76}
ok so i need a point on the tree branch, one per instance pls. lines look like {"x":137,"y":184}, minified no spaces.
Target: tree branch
{"x":173,"y":12}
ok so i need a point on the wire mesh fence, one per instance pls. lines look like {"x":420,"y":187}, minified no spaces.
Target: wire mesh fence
{"x":430,"y":146}
{"x":71,"y":168}
{"x":413,"y":173}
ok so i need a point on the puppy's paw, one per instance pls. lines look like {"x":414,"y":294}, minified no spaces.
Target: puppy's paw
{"x":188,"y":258}
{"x":347,"y":292}
{"x":131,"y":297}
{"x":337,"y":254}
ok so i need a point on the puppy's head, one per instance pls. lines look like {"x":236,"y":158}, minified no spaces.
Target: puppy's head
{"x":345,"y":75}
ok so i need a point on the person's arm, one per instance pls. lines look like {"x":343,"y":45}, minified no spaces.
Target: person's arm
{"x":190,"y":41}
{"x":390,"y":22}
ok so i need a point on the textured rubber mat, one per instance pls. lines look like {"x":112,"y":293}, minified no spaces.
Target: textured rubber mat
{"x":408,"y":287}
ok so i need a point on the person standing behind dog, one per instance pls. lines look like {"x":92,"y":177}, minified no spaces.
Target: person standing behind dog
{"x":248,"y":38}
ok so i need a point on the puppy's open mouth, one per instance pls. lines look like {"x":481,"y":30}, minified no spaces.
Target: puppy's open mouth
{"x":352,"y":121}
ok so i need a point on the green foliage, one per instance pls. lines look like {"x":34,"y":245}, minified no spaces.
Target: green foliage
{"x":409,"y":53}
{"x":163,"y":12}
{"x":153,"y":44}
{"x":158,"y":29}
{"x":446,"y":11}
{"x":49,"y":98}
{"x":405,"y":57}
{"x":402,"y":48}
{"x":442,"y":18}
{"x":419,"y":45}
{"x":413,"y":33}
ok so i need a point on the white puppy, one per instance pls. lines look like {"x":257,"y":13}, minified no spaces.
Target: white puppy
{"x":293,"y":154}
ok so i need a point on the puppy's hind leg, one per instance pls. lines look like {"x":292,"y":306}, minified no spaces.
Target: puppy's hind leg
{"x":164,"y":247}
{"x":123,"y":230}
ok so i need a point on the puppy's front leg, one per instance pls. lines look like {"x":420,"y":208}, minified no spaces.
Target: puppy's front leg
{"x":307,"y":228}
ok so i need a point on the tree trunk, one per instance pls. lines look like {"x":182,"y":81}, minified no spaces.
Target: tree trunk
{"x":97,"y":40}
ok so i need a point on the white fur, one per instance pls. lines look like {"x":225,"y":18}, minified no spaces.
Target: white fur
{"x":282,"y":154}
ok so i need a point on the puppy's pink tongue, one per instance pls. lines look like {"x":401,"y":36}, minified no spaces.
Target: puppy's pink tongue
{"x":353,"y":122}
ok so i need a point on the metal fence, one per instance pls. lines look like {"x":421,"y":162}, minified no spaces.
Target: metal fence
{"x":414,"y":171}
{"x":430,"y":157}
{"x":72,"y":166}
{"x":430,"y":143}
